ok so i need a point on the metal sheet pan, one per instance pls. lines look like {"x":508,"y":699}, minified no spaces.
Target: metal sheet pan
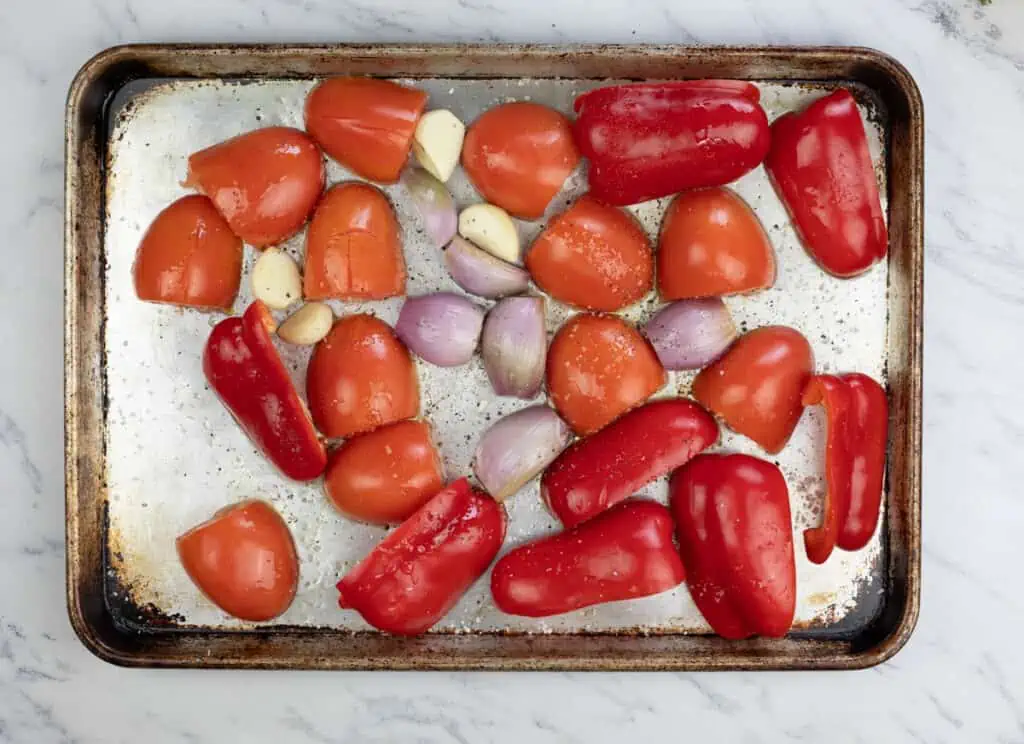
{"x":134,"y":378}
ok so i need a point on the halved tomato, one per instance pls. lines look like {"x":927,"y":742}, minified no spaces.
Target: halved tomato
{"x":189,"y":256}
{"x":518,"y":155}
{"x":243,"y":559}
{"x":598,"y":368}
{"x":365,"y":124}
{"x":593,"y":256}
{"x":354,"y":246}
{"x":265,"y":182}
{"x":360,"y":377}
{"x":712,"y":244}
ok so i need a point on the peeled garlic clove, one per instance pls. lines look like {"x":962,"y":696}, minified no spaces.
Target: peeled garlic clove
{"x":490,"y":228}
{"x":276,"y":279}
{"x":307,"y":325}
{"x":437,"y":143}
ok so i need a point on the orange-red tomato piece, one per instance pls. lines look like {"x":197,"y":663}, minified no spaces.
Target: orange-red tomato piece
{"x":385,"y":475}
{"x":264,"y":182}
{"x":360,"y":377}
{"x":243,"y":559}
{"x":593,"y":256}
{"x":189,"y":256}
{"x":518,"y":155}
{"x":712,"y":244}
{"x":756,"y":386}
{"x":365,"y":124}
{"x":598,"y":368}
{"x":354,"y":246}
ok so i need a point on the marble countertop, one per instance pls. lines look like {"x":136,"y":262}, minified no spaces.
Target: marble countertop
{"x":961,"y":677}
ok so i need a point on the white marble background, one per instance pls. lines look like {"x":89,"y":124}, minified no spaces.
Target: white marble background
{"x":960,"y":679}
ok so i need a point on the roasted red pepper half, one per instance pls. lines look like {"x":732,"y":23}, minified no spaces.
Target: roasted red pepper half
{"x":624,"y":553}
{"x":650,"y":140}
{"x":244,"y":369}
{"x":821,"y":167}
{"x":736,"y":539}
{"x":613,"y":464}
{"x":858,"y":422}
{"x":422,"y":568}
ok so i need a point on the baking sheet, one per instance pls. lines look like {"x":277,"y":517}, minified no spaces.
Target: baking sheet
{"x":174,"y":455}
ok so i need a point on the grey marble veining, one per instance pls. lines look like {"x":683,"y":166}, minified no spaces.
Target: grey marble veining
{"x":960,"y":679}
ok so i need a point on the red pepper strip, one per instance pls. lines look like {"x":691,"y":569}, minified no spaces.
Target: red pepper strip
{"x":858,"y":419}
{"x":244,"y":369}
{"x":422,"y":568}
{"x":624,"y":553}
{"x":821,"y":168}
{"x":736,"y":539}
{"x":649,"y":140}
{"x":613,"y":464}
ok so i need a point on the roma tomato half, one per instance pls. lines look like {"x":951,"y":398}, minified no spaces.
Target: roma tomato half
{"x":265,"y":182}
{"x":712,"y":244}
{"x":385,"y":475}
{"x":756,"y":386}
{"x":365,"y":124}
{"x":598,"y":368}
{"x":593,"y":256}
{"x":360,"y":377}
{"x":518,"y":155}
{"x":354,"y":246}
{"x":189,"y":256}
{"x":243,"y":560}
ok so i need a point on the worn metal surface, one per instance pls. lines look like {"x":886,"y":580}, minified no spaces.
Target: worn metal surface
{"x":173,"y":455}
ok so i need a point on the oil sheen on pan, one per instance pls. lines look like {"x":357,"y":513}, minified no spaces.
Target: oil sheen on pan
{"x":175,"y":456}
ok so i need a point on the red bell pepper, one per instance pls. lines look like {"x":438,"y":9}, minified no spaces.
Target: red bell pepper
{"x":736,"y":539}
{"x":421,"y":569}
{"x":245,"y":371}
{"x":613,"y":464}
{"x":821,"y":168}
{"x":624,"y":553}
{"x":858,"y":420}
{"x":650,"y":140}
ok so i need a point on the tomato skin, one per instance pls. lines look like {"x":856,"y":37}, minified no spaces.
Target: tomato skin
{"x":354,"y":246}
{"x":712,"y":244}
{"x":423,"y":566}
{"x":600,"y":471}
{"x":189,"y":256}
{"x":243,"y":559}
{"x":360,"y":377}
{"x":264,"y":182}
{"x":366,"y":124}
{"x":625,"y":553}
{"x":385,"y":475}
{"x":593,"y":256}
{"x":756,"y":386}
{"x":518,"y":155}
{"x":599,"y":367}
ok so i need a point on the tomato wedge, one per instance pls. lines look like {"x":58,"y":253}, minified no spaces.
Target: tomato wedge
{"x":354,"y":246}
{"x":365,"y":124}
{"x":190,"y":257}
{"x":265,"y":182}
{"x":360,"y":377}
{"x":712,"y":244}
{"x":518,"y":155}
{"x":756,"y":386}
{"x":593,"y":256}
{"x":243,"y":559}
{"x":598,"y":368}
{"x":385,"y":475}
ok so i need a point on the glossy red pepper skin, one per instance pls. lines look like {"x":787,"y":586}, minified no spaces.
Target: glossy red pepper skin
{"x":610,"y":466}
{"x":821,"y":167}
{"x":245,"y":371}
{"x":625,"y":553}
{"x":858,"y":422}
{"x":650,"y":140}
{"x":422,"y":568}
{"x":736,"y":539}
